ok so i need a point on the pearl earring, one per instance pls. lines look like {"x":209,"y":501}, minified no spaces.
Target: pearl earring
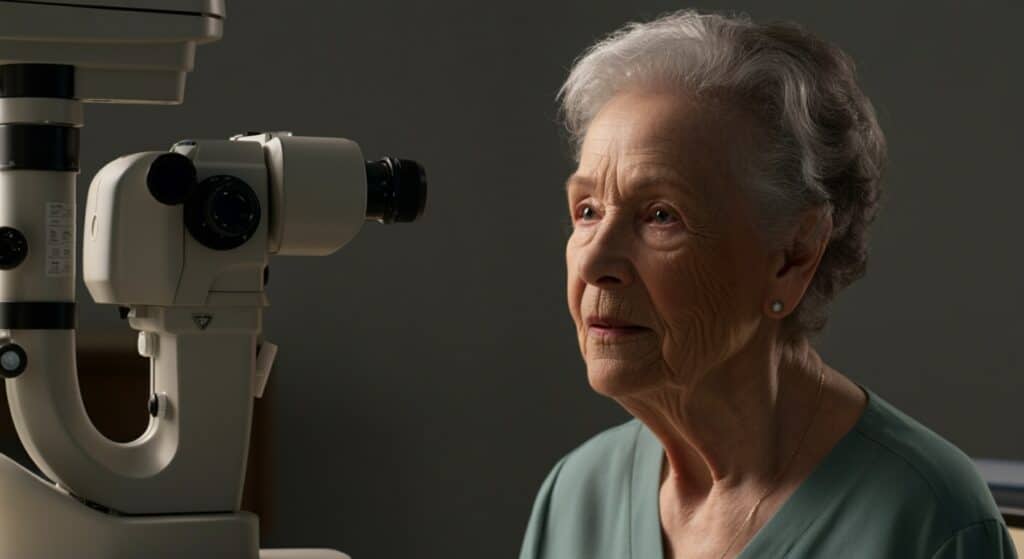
{"x":776,"y":306}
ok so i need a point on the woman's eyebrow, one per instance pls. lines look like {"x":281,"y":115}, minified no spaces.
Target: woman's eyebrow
{"x":648,"y":180}
{"x":635,"y":184}
{"x":577,"y":180}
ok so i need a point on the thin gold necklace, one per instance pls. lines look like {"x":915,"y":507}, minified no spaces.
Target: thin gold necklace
{"x":750,"y":515}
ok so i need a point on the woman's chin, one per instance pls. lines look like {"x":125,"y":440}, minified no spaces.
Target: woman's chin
{"x":614,"y":378}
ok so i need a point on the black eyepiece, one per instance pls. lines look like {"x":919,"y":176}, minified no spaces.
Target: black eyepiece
{"x":396,"y":190}
{"x":171,"y":178}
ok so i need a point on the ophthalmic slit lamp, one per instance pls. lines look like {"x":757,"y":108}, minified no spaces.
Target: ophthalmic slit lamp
{"x":180,"y":242}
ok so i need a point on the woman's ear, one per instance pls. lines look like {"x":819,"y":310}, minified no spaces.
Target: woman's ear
{"x":795,"y":264}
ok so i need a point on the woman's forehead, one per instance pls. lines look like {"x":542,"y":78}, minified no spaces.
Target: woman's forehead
{"x":640,"y":133}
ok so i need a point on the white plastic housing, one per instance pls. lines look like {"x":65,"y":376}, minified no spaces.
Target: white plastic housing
{"x":133,"y":246}
{"x":39,"y":521}
{"x":136,"y":250}
{"x":317,"y":191}
{"x":124,"y":51}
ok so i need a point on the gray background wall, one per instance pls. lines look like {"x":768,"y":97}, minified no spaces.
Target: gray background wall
{"x":428,"y":375}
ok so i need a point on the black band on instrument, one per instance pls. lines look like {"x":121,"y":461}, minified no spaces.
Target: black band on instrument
{"x":41,"y":147}
{"x":43,"y":315}
{"x":37,"y":80}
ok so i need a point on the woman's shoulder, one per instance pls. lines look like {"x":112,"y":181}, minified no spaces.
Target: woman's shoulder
{"x":617,"y":441}
{"x":603,"y":461}
{"x":586,"y":488}
{"x":911,"y":455}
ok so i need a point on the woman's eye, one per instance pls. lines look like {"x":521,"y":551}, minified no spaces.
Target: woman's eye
{"x":661,"y":216}
{"x":586,"y":213}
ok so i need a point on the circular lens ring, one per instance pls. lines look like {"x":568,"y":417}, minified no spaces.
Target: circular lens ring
{"x":200,"y":217}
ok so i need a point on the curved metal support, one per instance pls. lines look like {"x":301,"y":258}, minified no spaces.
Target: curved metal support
{"x":191,"y":458}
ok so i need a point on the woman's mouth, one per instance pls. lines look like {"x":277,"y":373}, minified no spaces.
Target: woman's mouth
{"x":616,"y":332}
{"x":608,"y":328}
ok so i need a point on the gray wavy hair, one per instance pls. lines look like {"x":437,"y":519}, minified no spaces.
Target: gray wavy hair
{"x":823,"y":145}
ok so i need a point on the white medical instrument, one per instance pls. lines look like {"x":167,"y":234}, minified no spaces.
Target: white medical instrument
{"x":180,"y":241}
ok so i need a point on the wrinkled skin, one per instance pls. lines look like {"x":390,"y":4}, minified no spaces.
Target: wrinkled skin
{"x":665,"y":238}
{"x":693,"y":274}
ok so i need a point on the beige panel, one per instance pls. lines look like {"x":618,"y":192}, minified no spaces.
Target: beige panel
{"x":1018,"y":538}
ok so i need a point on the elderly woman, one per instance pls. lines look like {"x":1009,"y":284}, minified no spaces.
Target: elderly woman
{"x":727,"y":175}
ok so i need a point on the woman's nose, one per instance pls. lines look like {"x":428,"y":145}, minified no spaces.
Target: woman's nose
{"x":605,"y":261}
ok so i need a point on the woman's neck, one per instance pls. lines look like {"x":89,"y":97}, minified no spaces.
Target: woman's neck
{"x":738,"y":424}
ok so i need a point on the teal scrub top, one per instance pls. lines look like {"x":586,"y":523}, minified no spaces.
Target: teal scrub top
{"x":890,"y":488}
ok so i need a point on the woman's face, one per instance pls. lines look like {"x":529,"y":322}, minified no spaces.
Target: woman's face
{"x":666,"y":270}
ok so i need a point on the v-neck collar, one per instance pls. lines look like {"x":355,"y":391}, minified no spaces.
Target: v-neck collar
{"x":782,"y":530}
